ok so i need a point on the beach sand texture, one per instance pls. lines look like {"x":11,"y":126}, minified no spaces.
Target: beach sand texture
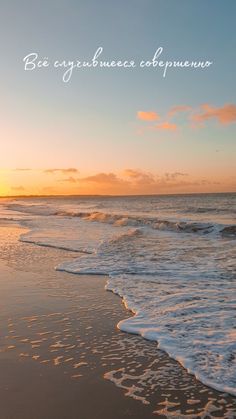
{"x":62,"y":356}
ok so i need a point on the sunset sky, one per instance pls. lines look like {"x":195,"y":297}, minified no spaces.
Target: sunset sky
{"x":118,"y":131}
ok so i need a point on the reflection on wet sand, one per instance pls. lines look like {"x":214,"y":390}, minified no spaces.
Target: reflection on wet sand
{"x":70,"y":326}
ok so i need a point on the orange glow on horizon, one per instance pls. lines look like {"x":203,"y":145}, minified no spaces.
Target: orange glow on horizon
{"x":23,"y":182}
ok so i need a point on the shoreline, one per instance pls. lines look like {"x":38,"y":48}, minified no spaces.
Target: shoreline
{"x":59,"y":341}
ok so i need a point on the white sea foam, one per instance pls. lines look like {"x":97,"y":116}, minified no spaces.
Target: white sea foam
{"x":65,"y":233}
{"x":183,"y":296}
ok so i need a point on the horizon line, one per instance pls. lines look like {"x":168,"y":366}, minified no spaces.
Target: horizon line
{"x":111,"y":195}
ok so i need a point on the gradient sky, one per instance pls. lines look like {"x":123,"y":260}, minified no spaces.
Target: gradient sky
{"x":115,"y":130}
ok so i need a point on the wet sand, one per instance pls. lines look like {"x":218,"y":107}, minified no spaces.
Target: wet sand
{"x":61,"y":355}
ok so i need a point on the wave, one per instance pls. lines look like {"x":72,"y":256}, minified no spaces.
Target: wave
{"x":155,"y":223}
{"x":34,"y":209}
{"x":119,"y":220}
{"x":205,"y":210}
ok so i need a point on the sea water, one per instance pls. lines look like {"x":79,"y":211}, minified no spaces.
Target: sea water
{"x":171,"y":258}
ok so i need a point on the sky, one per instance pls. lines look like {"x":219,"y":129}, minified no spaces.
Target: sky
{"x":117,"y":130}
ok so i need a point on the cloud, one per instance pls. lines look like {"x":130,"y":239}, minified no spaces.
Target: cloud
{"x":130,"y":181}
{"x":105,"y":183}
{"x":18,"y":188}
{"x":174,"y":176}
{"x":69,"y":179}
{"x":103,"y":178}
{"x":148,"y":116}
{"x":63,"y":171}
{"x":225,"y":115}
{"x":132,"y":173}
{"x":139,"y":177}
{"x":19,"y":169}
{"x":149,"y":183}
{"x":179,"y":108}
{"x":135,"y":181}
{"x":166,"y":126}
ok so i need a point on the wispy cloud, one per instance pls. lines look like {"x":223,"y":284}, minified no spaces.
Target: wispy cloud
{"x":164,"y":124}
{"x":139,"y":177}
{"x":70,"y":179}
{"x":147,"y":116}
{"x":224,"y":115}
{"x":132,"y":173}
{"x":153,"y":182}
{"x":103,"y":178}
{"x":175,"y":175}
{"x":19,"y":169}
{"x":63,"y":171}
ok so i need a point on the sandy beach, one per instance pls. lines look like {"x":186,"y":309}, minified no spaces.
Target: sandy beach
{"x":62,"y":356}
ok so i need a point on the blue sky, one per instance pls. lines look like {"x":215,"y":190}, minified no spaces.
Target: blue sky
{"x":91,"y":122}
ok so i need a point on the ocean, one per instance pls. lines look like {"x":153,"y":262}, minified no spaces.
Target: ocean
{"x":171,"y":258}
